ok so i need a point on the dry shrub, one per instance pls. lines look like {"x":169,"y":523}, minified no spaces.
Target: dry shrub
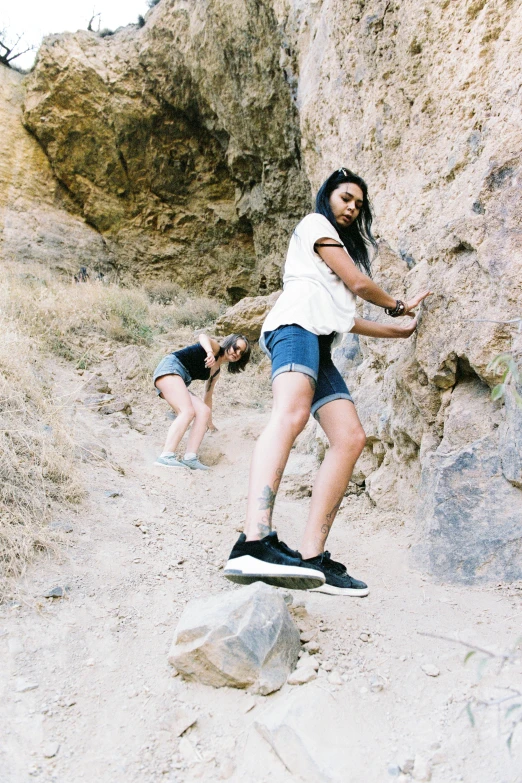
{"x":74,"y":320}
{"x":163,"y":292}
{"x":196,"y":313}
{"x":36,"y":456}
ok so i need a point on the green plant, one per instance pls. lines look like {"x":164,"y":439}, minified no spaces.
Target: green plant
{"x":506,"y":363}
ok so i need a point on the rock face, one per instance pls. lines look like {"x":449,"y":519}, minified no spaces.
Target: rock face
{"x":193,"y":174}
{"x":34,"y":222}
{"x":190,"y":145}
{"x":242,"y":638}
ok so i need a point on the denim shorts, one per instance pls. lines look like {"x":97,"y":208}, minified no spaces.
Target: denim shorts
{"x":294,"y":349}
{"x":171,"y":365}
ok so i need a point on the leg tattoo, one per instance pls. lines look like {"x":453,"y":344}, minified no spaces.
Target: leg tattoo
{"x":311,"y":382}
{"x":326,"y":527}
{"x":266,"y":503}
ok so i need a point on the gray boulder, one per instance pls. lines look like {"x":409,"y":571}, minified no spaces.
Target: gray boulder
{"x":241,"y":638}
{"x":470,"y":515}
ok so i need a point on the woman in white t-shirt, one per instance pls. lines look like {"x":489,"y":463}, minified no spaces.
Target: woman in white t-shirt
{"x":327,"y":266}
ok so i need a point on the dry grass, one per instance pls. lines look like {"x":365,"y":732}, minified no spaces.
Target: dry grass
{"x":76,"y":321}
{"x":37,"y":467}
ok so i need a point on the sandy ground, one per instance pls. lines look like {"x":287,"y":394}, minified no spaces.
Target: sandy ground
{"x":87,"y":693}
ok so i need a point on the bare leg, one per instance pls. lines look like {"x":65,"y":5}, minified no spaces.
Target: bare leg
{"x":343,"y":429}
{"x":199,"y":425}
{"x":177,"y":395}
{"x":293,"y":393}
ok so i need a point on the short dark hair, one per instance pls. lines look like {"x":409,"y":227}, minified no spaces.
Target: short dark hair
{"x":358,"y":237}
{"x":228,"y":342}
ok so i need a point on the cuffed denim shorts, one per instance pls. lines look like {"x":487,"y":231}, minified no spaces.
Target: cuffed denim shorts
{"x":171,"y":365}
{"x":294,"y":349}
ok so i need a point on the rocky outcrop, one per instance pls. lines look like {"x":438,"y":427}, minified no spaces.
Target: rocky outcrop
{"x":38,"y":220}
{"x":179,"y":142}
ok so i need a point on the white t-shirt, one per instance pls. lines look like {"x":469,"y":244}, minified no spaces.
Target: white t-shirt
{"x":313,"y":296}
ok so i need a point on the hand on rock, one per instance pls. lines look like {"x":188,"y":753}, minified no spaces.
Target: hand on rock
{"x":411,"y":304}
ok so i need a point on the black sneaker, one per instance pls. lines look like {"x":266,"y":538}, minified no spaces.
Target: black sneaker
{"x":338,"y":580}
{"x":270,"y":560}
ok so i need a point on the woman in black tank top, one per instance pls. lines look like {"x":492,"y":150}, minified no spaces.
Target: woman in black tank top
{"x":201,"y":361}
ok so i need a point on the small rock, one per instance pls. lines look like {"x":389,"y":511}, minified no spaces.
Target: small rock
{"x":430,"y":669}
{"x":307,"y":636}
{"x":308,"y":660}
{"x":334,"y":678}
{"x":327,"y":666}
{"x":118,"y":406}
{"x":98,"y":385}
{"x":22,"y":686}
{"x":139,"y":426}
{"x":302,"y":675}
{"x":377,"y":684}
{"x":406,"y":764}
{"x":421,"y":769}
{"x":112,"y":493}
{"x":63,"y":527}
{"x":182,"y":720}
{"x":57,"y":592}
{"x":394,"y":770}
{"x":97,"y":400}
{"x":51,"y":749}
{"x":364,"y":637}
{"x":312,"y":647}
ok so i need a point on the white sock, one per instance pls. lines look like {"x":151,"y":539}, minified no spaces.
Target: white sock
{"x":168,"y":454}
{"x":190,"y":455}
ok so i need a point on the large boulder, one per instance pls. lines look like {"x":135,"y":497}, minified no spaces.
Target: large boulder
{"x":470,"y":513}
{"x":247,"y":316}
{"x":242,"y":638}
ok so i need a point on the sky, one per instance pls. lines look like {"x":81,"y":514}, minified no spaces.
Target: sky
{"x":35,"y":18}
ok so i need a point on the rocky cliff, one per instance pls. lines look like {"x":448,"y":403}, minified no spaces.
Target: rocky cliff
{"x":38,"y":220}
{"x":189,"y":145}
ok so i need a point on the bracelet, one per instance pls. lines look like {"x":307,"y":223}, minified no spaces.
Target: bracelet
{"x":399,"y":309}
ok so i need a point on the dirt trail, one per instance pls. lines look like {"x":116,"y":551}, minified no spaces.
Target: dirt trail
{"x":86,"y":690}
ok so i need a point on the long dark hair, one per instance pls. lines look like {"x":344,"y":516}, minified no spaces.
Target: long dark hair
{"x":228,"y":342}
{"x":357,"y":238}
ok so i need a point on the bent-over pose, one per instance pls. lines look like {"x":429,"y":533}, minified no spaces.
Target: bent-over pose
{"x":172,"y":377}
{"x":327,"y":267}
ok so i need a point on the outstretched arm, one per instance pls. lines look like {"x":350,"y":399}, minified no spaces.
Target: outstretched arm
{"x":374,"y":329}
{"x":207,"y":399}
{"x":336,"y":257}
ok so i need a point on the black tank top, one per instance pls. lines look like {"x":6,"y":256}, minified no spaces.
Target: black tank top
{"x":193,"y":359}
